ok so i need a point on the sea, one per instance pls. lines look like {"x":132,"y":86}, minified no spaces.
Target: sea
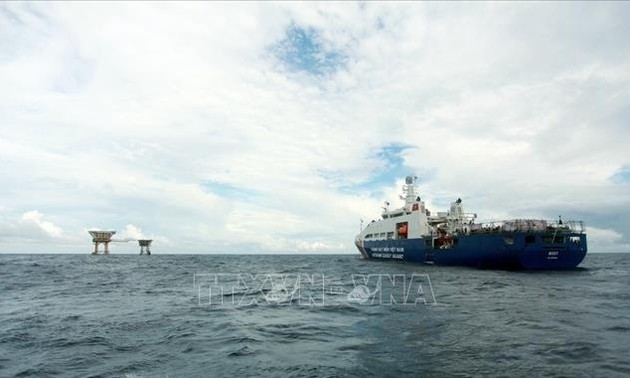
{"x":308,"y":315}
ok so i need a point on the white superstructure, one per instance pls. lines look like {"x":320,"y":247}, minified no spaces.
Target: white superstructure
{"x":413,"y":220}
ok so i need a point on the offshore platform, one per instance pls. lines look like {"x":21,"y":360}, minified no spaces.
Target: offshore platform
{"x":144,"y":246}
{"x":105,"y":237}
{"x":101,"y":237}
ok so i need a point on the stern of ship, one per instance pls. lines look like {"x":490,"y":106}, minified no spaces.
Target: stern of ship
{"x":564,"y":251}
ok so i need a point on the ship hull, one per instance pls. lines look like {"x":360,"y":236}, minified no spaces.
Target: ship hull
{"x":496,"y":250}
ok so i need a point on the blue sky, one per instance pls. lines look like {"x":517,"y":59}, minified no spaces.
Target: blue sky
{"x":622,"y":175}
{"x":302,"y":50}
{"x":263,"y":128}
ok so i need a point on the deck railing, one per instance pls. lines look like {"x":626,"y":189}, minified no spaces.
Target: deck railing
{"x":526,"y":225}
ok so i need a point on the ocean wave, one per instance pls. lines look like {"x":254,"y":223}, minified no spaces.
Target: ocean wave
{"x":124,"y":316}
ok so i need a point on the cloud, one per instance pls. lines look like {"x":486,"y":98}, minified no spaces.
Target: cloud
{"x":30,"y":227}
{"x":240,"y":127}
{"x":606,"y":240}
{"x":34,"y":219}
{"x":132,"y":233}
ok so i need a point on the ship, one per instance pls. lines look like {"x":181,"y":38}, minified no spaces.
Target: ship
{"x":412,"y":233}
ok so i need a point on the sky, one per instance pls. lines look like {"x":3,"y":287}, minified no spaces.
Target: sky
{"x":275,"y":127}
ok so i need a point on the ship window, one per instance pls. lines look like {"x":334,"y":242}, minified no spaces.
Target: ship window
{"x":368,"y":236}
{"x":385,"y":216}
{"x":390,"y":235}
{"x":382,"y":234}
{"x":574,"y":239}
{"x":529,"y":239}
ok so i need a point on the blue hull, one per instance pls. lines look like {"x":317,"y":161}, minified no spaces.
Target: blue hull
{"x":492,"y":250}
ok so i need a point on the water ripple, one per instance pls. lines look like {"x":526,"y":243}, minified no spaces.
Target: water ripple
{"x":138,"y":316}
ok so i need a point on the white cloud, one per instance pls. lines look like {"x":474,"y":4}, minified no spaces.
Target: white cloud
{"x":121,"y":114}
{"x":34,"y":219}
{"x":29,"y":227}
{"x":132,"y":232}
{"x":606,"y":240}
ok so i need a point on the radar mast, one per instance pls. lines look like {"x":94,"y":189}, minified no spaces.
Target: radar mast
{"x":409,"y":189}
